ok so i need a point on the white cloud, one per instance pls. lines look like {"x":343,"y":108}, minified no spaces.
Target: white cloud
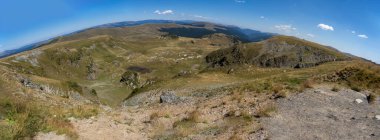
{"x":198,"y":16}
{"x":363,"y":36}
{"x":240,"y":1}
{"x":165,"y":12}
{"x":286,"y":28}
{"x":325,"y":27}
{"x":310,"y":35}
{"x":262,"y":17}
{"x":354,"y":32}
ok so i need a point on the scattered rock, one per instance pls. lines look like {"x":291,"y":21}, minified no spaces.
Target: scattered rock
{"x":319,"y":92}
{"x":183,"y":73}
{"x":377,"y":117}
{"x":148,"y":82}
{"x":358,"y":101}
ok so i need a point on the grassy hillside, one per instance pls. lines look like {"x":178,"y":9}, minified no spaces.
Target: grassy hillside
{"x":74,"y":75}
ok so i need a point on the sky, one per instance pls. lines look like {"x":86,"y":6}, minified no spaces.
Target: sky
{"x":352,"y":26}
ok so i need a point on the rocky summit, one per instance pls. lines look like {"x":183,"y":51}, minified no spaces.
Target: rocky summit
{"x":161,"y":79}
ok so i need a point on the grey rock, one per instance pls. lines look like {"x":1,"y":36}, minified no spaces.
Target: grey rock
{"x":31,"y":58}
{"x":358,"y":101}
{"x":76,"y":96}
{"x":377,"y":117}
{"x":183,"y":73}
{"x":169,"y":97}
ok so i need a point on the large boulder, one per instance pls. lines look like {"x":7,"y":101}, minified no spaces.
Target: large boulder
{"x":169,"y":97}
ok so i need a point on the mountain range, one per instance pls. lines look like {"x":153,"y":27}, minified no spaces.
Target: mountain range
{"x":246,"y":35}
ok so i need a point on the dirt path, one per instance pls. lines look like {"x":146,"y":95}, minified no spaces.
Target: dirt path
{"x":105,"y":127}
{"x":323,"y":114}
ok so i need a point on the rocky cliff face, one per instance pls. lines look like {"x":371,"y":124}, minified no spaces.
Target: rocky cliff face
{"x":276,"y":52}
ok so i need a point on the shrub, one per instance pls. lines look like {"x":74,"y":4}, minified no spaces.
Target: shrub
{"x":84,"y":111}
{"x":277,"y":88}
{"x":355,"y":88}
{"x":24,"y":118}
{"x":74,"y":86}
{"x":307,"y":84}
{"x":335,"y":89}
{"x":266,"y":111}
{"x":93,"y":92}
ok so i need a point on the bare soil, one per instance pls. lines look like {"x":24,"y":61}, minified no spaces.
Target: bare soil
{"x":323,"y":114}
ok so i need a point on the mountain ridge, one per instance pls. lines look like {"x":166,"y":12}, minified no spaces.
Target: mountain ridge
{"x":7,"y":53}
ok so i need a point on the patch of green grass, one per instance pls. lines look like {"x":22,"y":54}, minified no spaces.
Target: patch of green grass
{"x":83,"y":112}
{"x":23,"y":119}
{"x":74,"y":86}
{"x":93,"y":92}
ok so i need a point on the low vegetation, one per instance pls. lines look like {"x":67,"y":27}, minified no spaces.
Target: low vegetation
{"x":25,"y":118}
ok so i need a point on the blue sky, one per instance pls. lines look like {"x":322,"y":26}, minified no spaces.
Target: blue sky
{"x":351,"y":26}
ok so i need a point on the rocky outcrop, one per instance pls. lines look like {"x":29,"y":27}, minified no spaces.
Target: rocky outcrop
{"x":169,"y":97}
{"x":31,"y":58}
{"x":221,"y":40}
{"x":355,"y":77}
{"x":277,"y":52}
{"x":91,"y":70}
{"x":131,"y":79}
{"x":28,"y":83}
